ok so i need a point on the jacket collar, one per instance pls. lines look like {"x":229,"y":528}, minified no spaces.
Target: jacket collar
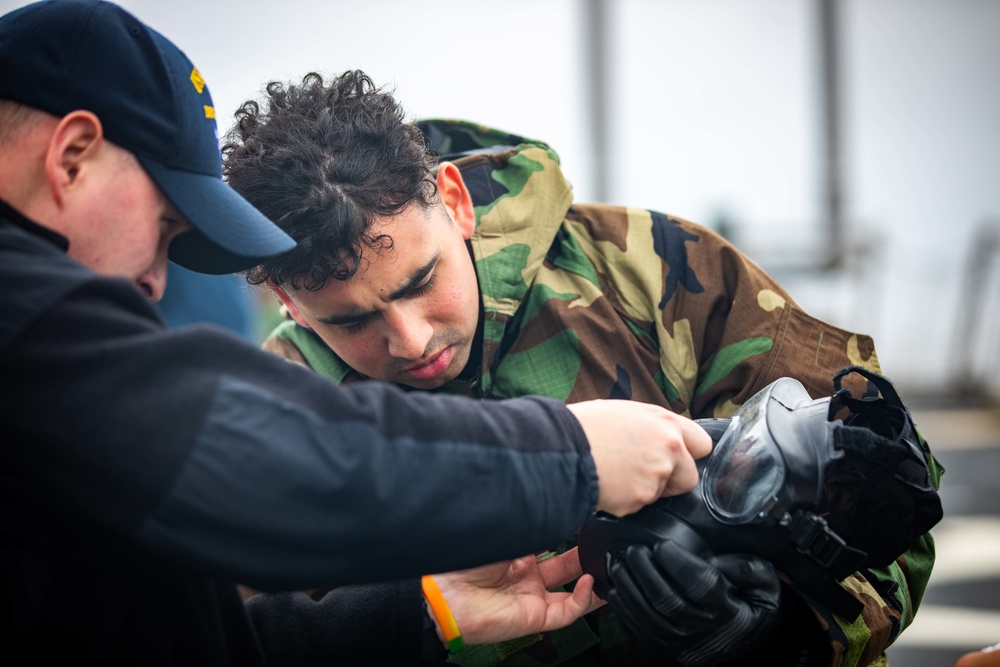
{"x":12,"y":215}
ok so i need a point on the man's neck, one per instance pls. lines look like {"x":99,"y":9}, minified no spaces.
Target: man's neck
{"x":474,"y":366}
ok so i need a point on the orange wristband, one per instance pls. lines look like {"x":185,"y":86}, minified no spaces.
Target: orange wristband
{"x":439,"y":607}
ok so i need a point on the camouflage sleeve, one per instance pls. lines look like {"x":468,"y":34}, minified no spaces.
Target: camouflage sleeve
{"x":723,"y":327}
{"x":300,"y":345}
{"x":745,"y":330}
{"x":725,"y":330}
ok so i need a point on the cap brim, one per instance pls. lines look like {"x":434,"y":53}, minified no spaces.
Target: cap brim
{"x":229,"y":234}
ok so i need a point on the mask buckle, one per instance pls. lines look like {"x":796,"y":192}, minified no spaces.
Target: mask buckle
{"x":814,"y":538}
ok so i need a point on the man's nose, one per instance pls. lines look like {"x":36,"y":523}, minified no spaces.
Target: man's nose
{"x":153,"y":281}
{"x":408,"y":332}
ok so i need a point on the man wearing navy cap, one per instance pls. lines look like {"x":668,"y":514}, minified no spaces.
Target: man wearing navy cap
{"x":143,"y":471}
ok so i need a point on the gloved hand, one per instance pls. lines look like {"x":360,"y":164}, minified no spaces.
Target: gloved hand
{"x":692,"y":610}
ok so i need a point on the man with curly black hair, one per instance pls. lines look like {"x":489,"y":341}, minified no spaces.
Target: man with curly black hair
{"x":479,"y":275}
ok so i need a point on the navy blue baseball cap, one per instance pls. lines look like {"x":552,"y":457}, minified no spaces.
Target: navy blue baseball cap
{"x":63,"y":55}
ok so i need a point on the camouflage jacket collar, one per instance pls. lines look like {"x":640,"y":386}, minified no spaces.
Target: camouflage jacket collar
{"x":521,"y":198}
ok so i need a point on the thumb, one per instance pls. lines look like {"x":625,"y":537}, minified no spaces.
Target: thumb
{"x":564,"y":608}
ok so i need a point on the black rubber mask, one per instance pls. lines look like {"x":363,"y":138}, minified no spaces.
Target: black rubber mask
{"x":787,"y":481}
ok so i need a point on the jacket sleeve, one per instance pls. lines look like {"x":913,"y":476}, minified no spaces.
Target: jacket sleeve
{"x":202,"y":449}
{"x":354,"y":625}
{"x":746,"y":332}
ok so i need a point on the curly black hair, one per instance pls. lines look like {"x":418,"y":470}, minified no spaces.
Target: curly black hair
{"x":323,"y":162}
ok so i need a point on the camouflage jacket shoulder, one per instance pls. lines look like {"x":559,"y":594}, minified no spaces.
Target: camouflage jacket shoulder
{"x":694,"y":324}
{"x":586,"y":301}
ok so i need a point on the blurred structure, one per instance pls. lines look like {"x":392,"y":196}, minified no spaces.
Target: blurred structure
{"x":977,"y":337}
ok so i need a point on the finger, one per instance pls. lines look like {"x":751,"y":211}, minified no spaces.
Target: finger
{"x":639,"y":622}
{"x":749,"y":571}
{"x":684,"y":476}
{"x":756,"y":579}
{"x":561,"y":569}
{"x":629,"y":599}
{"x":585,"y":585}
{"x":646,"y":576}
{"x":696,"y":439}
{"x":692,"y":578}
{"x":583,"y":593}
{"x":564,"y":608}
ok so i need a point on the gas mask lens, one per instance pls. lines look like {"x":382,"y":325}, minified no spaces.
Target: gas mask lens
{"x":745,"y":471}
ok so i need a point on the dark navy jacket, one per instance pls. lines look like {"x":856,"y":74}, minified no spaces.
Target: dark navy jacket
{"x":143,"y":471}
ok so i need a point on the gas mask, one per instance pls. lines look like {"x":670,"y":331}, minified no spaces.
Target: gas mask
{"x":789,"y":482}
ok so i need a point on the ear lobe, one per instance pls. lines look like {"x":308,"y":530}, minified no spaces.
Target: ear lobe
{"x":293,"y":310}
{"x":74,"y":144}
{"x":456,"y":198}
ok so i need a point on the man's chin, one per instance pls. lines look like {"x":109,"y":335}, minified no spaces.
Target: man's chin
{"x":429,"y":384}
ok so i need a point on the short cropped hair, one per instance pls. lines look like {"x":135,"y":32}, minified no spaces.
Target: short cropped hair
{"x":323,"y":162}
{"x":16,"y":117}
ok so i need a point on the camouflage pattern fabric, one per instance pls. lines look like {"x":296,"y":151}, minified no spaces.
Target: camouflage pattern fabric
{"x":592,"y":301}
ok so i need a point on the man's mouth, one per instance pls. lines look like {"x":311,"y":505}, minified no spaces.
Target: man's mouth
{"x":434,"y":367}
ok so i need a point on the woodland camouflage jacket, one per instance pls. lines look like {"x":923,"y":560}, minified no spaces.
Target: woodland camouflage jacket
{"x":589,"y":301}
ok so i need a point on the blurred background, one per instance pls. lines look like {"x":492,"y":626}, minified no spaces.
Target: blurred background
{"x":851,"y":147}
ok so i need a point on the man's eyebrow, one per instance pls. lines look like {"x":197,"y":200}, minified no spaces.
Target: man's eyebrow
{"x":352,"y":317}
{"x":415,"y":278}
{"x":355,"y":316}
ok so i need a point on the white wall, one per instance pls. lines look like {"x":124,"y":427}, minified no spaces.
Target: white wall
{"x":924,"y":148}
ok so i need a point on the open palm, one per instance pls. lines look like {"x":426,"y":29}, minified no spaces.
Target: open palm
{"x":511,"y":599}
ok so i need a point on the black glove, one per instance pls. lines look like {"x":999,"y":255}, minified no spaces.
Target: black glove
{"x":692,"y":610}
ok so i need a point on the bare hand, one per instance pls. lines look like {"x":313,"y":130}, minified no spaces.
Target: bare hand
{"x":511,"y":599}
{"x":642,"y":452}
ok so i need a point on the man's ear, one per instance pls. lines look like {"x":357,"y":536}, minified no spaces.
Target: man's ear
{"x":74,"y":146}
{"x":455,"y":197}
{"x":293,"y":310}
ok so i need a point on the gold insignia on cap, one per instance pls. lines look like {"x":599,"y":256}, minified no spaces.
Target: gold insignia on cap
{"x":209,"y":111}
{"x":199,"y":83}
